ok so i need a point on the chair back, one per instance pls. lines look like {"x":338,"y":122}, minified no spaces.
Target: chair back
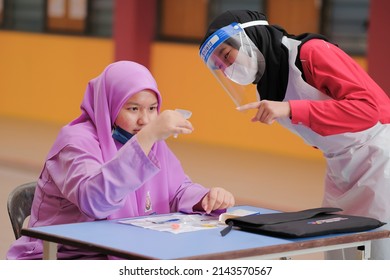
{"x":19,"y":205}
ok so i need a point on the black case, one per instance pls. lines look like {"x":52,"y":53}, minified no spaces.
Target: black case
{"x":306,"y":223}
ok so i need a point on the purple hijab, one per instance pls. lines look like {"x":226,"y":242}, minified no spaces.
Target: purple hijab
{"x":105,"y":96}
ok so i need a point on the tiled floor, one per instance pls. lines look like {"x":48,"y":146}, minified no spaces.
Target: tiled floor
{"x":255,"y":178}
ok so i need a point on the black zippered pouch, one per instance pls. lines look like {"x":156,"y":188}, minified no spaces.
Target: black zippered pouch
{"x":305,"y":223}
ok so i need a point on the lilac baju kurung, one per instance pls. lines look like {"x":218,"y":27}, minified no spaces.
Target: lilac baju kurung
{"x":89,"y":176}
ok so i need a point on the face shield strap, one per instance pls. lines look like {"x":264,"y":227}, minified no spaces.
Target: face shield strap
{"x":253,"y":23}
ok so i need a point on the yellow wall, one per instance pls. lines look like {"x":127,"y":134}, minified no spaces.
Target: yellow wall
{"x":43,"y":77}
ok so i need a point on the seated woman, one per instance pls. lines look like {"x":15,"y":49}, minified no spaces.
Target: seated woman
{"x":112,"y":162}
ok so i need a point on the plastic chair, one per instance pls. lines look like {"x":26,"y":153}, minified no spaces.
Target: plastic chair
{"x":19,"y":205}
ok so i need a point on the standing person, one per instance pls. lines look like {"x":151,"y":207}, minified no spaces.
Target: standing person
{"x":112,"y":162}
{"x":314,"y":89}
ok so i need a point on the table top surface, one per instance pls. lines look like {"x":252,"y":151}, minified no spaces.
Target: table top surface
{"x":132,"y":242}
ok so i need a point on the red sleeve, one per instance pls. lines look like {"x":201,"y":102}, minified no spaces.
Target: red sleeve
{"x":356,"y":99}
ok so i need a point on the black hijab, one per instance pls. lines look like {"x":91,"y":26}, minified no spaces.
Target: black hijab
{"x":268,"y":39}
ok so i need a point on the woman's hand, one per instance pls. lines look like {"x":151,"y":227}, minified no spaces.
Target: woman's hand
{"x":167,"y":123}
{"x":268,"y":111}
{"x":216,"y":198}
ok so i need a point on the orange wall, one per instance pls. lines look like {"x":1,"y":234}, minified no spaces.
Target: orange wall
{"x":43,"y":77}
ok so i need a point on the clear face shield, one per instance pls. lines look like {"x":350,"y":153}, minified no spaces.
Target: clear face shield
{"x":234,"y":60}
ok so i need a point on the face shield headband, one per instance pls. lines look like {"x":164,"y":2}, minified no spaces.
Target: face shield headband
{"x":234,"y":60}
